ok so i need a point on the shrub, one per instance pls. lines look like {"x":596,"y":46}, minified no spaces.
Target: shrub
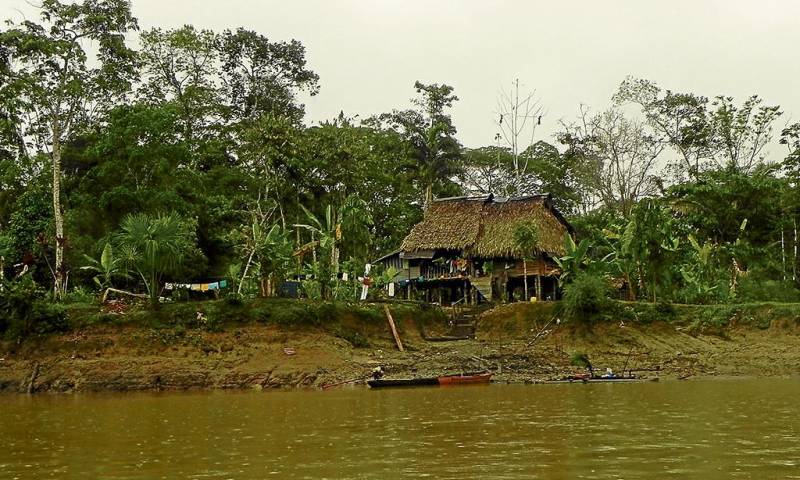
{"x":234,"y":299}
{"x":79,"y":295}
{"x":757,"y":289}
{"x":585,"y":297}
{"x":665,"y":309}
{"x":580,"y":359}
{"x":25,"y":310}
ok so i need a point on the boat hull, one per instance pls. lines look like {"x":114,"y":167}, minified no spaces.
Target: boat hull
{"x":601,"y":380}
{"x":403,"y":382}
{"x":444,"y":380}
{"x":465,"y":379}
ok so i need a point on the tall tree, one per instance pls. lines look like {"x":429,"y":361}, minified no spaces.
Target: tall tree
{"x":704,"y":133}
{"x":55,"y":86}
{"x":259,"y":76}
{"x":742,"y":132}
{"x":181,"y":66}
{"x":620,"y":154}
{"x":682,"y":120}
{"x":486,"y":170}
{"x":431,"y":132}
{"x":518,"y":115}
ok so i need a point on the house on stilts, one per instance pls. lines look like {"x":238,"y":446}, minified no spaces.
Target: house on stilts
{"x":464,"y":251}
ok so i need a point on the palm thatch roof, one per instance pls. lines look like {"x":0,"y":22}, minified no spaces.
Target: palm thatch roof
{"x":484,"y":226}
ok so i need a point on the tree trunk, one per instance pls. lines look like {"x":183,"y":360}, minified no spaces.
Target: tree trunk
{"x":783,"y":255}
{"x":59,"y":288}
{"x":539,"y":293}
{"x":525,"y":278}
{"x":155,"y":290}
{"x":642,"y":285}
{"x":631,"y":288}
{"x":428,"y":196}
{"x":654,"y":285}
{"x":246,"y":268}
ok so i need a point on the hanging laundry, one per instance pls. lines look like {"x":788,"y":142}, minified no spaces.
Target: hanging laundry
{"x":213,"y":286}
{"x":223,"y":283}
{"x":345,"y":277}
{"x":391,"y":289}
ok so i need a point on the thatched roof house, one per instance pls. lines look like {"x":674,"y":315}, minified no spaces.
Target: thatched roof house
{"x":464,"y":250}
{"x":484,"y":226}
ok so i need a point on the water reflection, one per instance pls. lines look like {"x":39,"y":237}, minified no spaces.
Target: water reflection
{"x":702,"y":429}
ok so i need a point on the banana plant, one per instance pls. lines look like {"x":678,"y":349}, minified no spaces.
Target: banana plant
{"x":328,"y":234}
{"x":574,"y":261}
{"x":622,"y":260}
{"x":107,"y":267}
{"x":325,"y":235}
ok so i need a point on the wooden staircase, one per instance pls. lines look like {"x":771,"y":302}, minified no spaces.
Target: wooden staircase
{"x":464,"y":322}
{"x":484,"y":286}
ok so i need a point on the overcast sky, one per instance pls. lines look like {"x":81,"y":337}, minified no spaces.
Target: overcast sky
{"x":368,"y":53}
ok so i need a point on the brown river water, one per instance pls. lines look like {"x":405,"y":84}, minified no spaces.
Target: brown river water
{"x":705,"y":429}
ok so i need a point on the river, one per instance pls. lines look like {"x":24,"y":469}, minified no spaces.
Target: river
{"x":706,"y":429}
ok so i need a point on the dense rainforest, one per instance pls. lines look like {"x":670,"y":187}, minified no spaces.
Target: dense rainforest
{"x":187,"y":159}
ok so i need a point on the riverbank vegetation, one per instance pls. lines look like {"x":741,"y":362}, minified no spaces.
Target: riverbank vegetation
{"x":187,"y":161}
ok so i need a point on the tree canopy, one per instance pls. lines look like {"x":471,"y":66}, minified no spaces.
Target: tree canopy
{"x":199,"y":139}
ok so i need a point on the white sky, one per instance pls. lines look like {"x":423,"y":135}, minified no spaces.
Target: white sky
{"x":368,"y":53}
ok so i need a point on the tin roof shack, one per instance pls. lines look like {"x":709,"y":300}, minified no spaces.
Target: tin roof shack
{"x":464,"y":250}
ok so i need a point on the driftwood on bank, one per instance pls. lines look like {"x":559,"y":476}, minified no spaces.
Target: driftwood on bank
{"x":123,"y":292}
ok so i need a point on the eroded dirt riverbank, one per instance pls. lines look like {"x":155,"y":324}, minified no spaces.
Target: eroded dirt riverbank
{"x":518,"y":342}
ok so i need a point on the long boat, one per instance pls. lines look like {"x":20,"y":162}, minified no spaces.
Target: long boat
{"x":403,"y":382}
{"x":460,"y":379}
{"x":601,"y":380}
{"x":465,"y":379}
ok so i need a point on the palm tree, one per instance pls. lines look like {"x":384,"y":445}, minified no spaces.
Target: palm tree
{"x":154,"y":245}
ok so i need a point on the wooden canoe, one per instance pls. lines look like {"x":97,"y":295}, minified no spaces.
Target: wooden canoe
{"x":465,"y":379}
{"x":461,"y":379}
{"x":403,"y":382}
{"x":602,"y":380}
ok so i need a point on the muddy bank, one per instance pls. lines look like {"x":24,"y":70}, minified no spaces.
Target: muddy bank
{"x":518,"y":342}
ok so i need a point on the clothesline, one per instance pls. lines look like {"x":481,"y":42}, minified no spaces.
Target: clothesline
{"x":197,"y":287}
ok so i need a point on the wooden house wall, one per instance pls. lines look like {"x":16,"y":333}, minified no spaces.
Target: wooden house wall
{"x":535,"y":267}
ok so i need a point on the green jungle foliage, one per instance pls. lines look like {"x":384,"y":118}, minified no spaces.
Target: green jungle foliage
{"x":189,"y":160}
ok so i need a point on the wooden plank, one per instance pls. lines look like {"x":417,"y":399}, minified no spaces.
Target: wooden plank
{"x":394,"y":329}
